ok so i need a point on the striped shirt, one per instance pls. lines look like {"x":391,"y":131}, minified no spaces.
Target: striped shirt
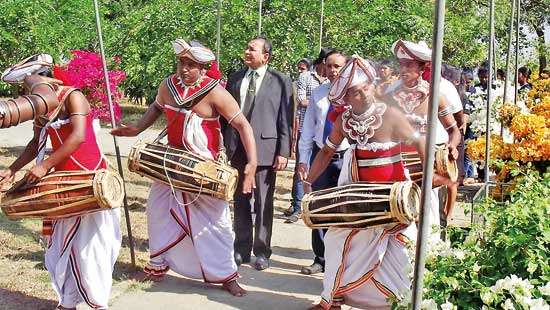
{"x":306,"y":83}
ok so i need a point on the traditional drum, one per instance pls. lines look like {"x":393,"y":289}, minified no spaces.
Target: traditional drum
{"x":443,"y":165}
{"x":362,"y":205}
{"x":63,"y":194}
{"x":183,"y":170}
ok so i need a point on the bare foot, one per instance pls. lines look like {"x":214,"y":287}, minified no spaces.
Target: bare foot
{"x":234,"y":288}
{"x":143,"y":276}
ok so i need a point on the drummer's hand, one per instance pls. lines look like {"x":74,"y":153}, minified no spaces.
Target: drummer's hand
{"x":280,"y":163}
{"x":125,"y":131}
{"x":249,"y":182}
{"x":453,"y":152}
{"x":36,"y":173}
{"x":307,"y":187}
{"x":302,"y":171}
{"x":6,"y":176}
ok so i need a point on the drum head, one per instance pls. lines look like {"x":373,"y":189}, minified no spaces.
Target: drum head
{"x":108,"y":189}
{"x":405,"y":201}
{"x":443,"y":165}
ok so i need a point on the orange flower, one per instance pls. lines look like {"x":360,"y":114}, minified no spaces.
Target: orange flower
{"x":524,"y":125}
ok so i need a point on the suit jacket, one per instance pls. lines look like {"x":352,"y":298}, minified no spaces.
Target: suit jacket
{"x":270,"y":119}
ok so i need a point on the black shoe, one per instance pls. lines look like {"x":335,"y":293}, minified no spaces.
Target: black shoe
{"x":313,"y":269}
{"x":294,"y":217}
{"x":239,"y":259}
{"x":261,"y":263}
{"x":289,"y":211}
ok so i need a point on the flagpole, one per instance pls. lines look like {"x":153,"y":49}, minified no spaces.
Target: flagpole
{"x":489,"y":94}
{"x":113,"y":124}
{"x":428,"y":167}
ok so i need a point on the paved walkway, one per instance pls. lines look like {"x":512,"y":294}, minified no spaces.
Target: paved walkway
{"x":19,"y":136}
{"x":279,"y":287}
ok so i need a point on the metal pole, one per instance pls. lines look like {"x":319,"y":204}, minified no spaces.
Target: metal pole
{"x":509,"y":50}
{"x":113,"y":124}
{"x":321,"y":25}
{"x":260,"y":18}
{"x":219,"y":31}
{"x":518,"y":9}
{"x":489,"y":94}
{"x":428,"y":166}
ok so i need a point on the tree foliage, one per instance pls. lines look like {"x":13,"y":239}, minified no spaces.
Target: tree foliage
{"x":141,"y":31}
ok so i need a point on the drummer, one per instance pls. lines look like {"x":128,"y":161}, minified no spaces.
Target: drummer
{"x":365,"y":268}
{"x":81,"y":250}
{"x":410,"y":93}
{"x":190,"y":233}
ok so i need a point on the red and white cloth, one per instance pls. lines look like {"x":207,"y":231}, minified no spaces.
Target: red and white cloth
{"x":364,"y":268}
{"x":82,"y":250}
{"x":189,"y":233}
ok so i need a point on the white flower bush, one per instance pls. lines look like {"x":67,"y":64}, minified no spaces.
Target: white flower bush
{"x":513,"y":292}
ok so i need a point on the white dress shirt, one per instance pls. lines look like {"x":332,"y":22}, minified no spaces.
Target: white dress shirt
{"x":314,"y":124}
{"x":246,"y":81}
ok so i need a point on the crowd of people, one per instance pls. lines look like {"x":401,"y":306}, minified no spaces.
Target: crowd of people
{"x":347,"y":118}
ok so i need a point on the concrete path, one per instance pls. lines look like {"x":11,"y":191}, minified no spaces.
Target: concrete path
{"x":21,"y":134}
{"x":279,"y":287}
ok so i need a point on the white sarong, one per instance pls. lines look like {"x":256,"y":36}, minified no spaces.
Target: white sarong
{"x":363,"y":268}
{"x":194,"y":240}
{"x":81,"y":254}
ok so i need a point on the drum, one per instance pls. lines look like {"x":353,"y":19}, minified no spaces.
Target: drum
{"x":443,"y":165}
{"x":64,"y":194}
{"x":362,"y":205}
{"x":183,"y":170}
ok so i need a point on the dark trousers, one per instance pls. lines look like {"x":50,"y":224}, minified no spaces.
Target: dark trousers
{"x":245,"y":240}
{"x":328,"y":179}
{"x":460,"y":160}
{"x":297,"y":186}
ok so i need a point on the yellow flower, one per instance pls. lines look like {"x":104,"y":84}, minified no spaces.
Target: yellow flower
{"x":524,"y":125}
{"x":499,"y":149}
{"x":507,"y":112}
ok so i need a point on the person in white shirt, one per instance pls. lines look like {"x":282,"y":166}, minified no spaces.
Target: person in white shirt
{"x":317,"y":126}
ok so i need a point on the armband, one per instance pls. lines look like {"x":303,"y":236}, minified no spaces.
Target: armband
{"x":330,"y":144}
{"x":233,"y":117}
{"x":445,"y":111}
{"x":451,"y":126}
{"x":31,"y":89}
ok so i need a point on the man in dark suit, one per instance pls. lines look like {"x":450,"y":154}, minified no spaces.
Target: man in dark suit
{"x":264,"y":96}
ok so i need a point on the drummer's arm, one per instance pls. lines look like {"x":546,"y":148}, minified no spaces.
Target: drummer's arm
{"x":403,"y":131}
{"x":151,"y":115}
{"x":323,"y":157}
{"x":449,"y":123}
{"x":228,"y":108}
{"x":30,"y":152}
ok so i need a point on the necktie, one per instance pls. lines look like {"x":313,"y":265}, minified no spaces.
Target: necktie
{"x":250,"y":97}
{"x":328,"y":124}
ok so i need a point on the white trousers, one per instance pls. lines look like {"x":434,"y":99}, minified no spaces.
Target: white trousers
{"x":81,"y":254}
{"x":194,"y":240}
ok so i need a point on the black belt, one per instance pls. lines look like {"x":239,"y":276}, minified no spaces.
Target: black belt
{"x":338,"y":155}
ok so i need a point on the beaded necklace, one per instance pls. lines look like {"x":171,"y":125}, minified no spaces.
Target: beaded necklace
{"x":361,"y":128}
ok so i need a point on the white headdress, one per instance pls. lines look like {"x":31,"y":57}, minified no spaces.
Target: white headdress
{"x":413,"y":51}
{"x":356,"y":71}
{"x":198,"y":53}
{"x":34,"y":64}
